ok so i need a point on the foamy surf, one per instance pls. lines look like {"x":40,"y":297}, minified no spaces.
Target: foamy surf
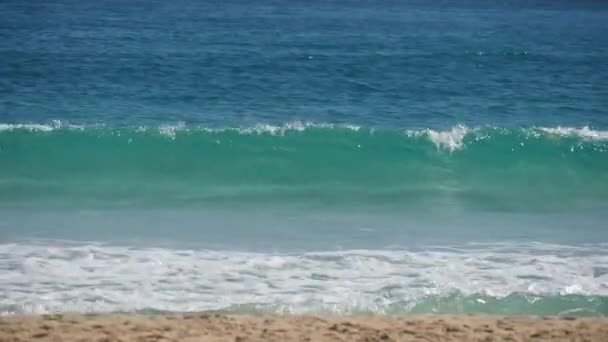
{"x":583,"y":132}
{"x":451,"y":139}
{"x":499,"y":278}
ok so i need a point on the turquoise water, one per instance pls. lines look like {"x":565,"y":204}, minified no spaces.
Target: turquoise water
{"x":305,"y":157}
{"x":304,"y":165}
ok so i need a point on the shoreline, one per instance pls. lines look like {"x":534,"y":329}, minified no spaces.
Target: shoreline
{"x":220,"y":327}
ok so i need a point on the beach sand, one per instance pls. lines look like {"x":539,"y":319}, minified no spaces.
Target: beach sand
{"x":209,"y":327}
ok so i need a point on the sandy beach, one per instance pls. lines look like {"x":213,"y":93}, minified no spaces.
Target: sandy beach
{"x":207,"y":327}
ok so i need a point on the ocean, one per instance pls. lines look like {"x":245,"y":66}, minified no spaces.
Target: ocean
{"x":304,"y":157}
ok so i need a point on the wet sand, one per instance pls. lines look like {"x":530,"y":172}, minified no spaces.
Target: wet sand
{"x":209,"y":327}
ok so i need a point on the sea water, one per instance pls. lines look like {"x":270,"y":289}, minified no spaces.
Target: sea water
{"x":378,"y":157}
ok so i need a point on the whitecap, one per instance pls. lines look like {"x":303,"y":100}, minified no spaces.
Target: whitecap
{"x":451,"y":140}
{"x":583,"y":132}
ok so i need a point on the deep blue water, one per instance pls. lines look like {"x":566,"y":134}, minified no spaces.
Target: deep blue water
{"x":380,"y":63}
{"x":304,"y":156}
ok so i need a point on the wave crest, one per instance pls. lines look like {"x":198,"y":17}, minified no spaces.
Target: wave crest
{"x":452,"y":139}
{"x":583,"y":132}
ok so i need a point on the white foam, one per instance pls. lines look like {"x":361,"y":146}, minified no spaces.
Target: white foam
{"x":33,"y":127}
{"x":57,"y":277}
{"x":259,"y":129}
{"x":27,"y":127}
{"x":352,"y":127}
{"x":297,"y":126}
{"x":583,"y":132}
{"x":169,"y":130}
{"x":451,"y":140}
{"x":275,"y":130}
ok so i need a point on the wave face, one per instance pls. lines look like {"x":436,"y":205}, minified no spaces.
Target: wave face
{"x":527,"y":278}
{"x":302,"y":164}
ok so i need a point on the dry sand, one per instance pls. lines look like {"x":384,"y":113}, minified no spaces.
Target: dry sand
{"x":206,"y":327}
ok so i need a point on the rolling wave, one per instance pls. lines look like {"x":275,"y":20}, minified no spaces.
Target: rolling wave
{"x":177,"y":165}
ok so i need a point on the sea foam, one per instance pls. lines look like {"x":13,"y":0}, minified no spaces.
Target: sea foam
{"x":450,"y":139}
{"x":88,"y":277}
{"x":583,"y":132}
